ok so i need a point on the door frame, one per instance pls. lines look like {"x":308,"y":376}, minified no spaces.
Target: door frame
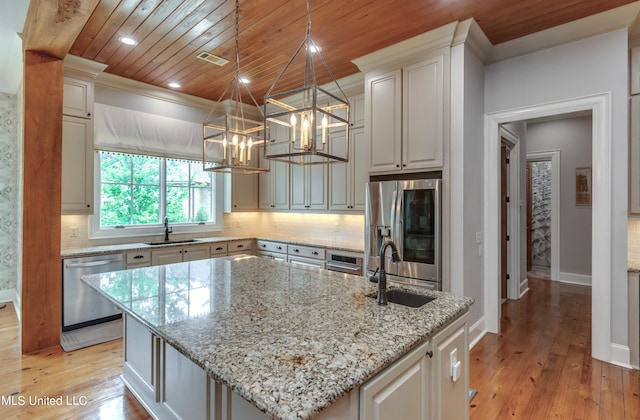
{"x":602,"y":269}
{"x":513,"y":216}
{"x":554,"y":157}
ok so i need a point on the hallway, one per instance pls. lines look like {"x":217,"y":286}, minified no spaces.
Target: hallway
{"x":540,"y":365}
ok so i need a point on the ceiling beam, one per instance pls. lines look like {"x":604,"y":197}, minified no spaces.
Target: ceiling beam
{"x":52,"y":26}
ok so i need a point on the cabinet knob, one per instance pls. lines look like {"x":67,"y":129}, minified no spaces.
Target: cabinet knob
{"x":296,"y":250}
{"x":185,"y":251}
{"x":264,"y":245}
{"x":430,"y":353}
{"x":88,"y":114}
{"x":404,"y":164}
{"x":88,"y":205}
{"x":397,"y":166}
{"x":279,"y":247}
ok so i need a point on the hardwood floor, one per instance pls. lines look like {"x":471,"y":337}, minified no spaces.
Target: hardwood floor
{"x":86,"y":382}
{"x":540,"y":365}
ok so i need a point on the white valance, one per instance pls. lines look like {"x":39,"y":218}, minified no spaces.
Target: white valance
{"x":124,"y":130}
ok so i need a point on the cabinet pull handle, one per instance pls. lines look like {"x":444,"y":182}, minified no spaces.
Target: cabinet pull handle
{"x":430,"y":353}
{"x":279,"y":247}
{"x":137,"y":257}
{"x":315,"y":252}
{"x":219,"y":248}
{"x":240,"y":246}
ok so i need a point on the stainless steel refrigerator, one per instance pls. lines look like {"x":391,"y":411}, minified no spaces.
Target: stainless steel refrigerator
{"x":409,"y":214}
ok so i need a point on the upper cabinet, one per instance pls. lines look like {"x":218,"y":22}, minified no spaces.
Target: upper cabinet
{"x":274,"y":185}
{"x":241,"y":192}
{"x":78,"y":98}
{"x":405,"y":115}
{"x":77,"y":146}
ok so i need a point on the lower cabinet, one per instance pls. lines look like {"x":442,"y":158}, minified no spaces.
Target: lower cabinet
{"x":426,"y":383}
{"x":179,"y":254}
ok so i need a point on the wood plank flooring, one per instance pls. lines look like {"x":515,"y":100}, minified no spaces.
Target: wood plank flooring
{"x":540,"y":365}
{"x":88,"y":380}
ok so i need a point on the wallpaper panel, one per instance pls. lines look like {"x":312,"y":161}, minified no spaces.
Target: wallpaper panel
{"x":8,"y":191}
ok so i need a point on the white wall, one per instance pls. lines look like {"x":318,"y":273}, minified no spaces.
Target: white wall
{"x":591,"y":66}
{"x":467,"y":104}
{"x":572,"y":137}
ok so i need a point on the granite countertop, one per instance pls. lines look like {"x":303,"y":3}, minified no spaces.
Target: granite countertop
{"x":633,"y":266}
{"x":349,"y":246}
{"x":289,"y":339}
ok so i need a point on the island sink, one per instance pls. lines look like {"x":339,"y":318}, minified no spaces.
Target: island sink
{"x":409,"y":299}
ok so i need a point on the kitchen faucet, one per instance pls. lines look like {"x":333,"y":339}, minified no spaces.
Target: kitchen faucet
{"x":167,"y":229}
{"x":382,"y":277}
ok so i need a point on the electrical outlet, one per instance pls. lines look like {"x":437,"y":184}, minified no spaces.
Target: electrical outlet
{"x":336,"y":228}
{"x":73,"y":232}
{"x":237,"y":224}
{"x":478,"y":237}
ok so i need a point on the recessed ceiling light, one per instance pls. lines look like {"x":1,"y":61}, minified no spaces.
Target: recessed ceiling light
{"x":244,"y":80}
{"x":174,"y":85}
{"x":128,"y":41}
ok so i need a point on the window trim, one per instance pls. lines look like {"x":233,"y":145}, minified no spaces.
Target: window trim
{"x":96,"y":232}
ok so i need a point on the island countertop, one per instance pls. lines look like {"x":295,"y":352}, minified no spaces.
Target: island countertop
{"x":291,"y":340}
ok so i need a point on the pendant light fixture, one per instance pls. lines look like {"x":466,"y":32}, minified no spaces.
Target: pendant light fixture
{"x":232,"y":141}
{"x":304,"y":117}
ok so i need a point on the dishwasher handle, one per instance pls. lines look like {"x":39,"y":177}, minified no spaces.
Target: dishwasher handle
{"x":92,"y":263}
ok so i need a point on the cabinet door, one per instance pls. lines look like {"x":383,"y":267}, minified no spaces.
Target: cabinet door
{"x":280,"y":184}
{"x":358,"y":176}
{"x":197,"y":252}
{"x":166,"y":256}
{"x":298,"y":187}
{"x":634,"y":172}
{"x":399,"y":392}
{"x":141,"y":358}
{"x":339,"y":174}
{"x":77,"y":165}
{"x":306,"y":262}
{"x":451,"y":395}
{"x":423,"y":115}
{"x":383,"y":108}
{"x":77,"y":98}
{"x":274,"y":185}
{"x":244,"y":192}
{"x":356,"y":104}
{"x":185,"y":386}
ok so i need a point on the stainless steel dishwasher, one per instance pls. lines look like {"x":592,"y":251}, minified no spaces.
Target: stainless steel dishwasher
{"x":81,"y":305}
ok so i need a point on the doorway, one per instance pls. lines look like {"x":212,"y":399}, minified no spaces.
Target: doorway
{"x":539,"y":218}
{"x":600,"y":108}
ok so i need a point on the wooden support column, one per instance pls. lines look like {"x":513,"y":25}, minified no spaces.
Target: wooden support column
{"x":49,"y":31}
{"x":41,"y":212}
{"x":41,"y":272}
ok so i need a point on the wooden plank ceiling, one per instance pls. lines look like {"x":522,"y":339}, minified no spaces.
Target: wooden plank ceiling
{"x":171,"y":32}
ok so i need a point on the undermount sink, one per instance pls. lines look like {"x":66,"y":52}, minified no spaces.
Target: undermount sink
{"x":409,"y":299}
{"x":172,"y":242}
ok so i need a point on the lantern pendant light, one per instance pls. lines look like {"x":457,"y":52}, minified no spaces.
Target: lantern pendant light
{"x":303,"y":117}
{"x":232,"y":141}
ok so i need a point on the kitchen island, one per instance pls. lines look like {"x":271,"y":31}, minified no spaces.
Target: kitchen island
{"x":244,"y":337}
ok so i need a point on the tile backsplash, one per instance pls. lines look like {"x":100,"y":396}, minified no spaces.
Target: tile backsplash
{"x":328,"y":227}
{"x":633,"y":240}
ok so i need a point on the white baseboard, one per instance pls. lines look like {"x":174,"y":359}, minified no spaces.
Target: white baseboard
{"x":10,"y":295}
{"x":476,"y":332}
{"x":524,"y":287}
{"x":582,"y":279}
{"x":620,"y":355}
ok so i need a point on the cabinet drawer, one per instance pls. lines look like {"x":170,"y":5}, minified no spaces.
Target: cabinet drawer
{"x":240,"y":246}
{"x":138,"y":257}
{"x":306,"y":251}
{"x":219,"y":249}
{"x":272,"y":247}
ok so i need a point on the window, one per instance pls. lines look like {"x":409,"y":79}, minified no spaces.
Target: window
{"x":137,"y":192}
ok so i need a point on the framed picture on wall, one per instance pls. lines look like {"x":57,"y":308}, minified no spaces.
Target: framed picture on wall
{"x":583,"y":186}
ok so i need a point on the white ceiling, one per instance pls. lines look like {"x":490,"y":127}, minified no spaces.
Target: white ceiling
{"x":11,"y":22}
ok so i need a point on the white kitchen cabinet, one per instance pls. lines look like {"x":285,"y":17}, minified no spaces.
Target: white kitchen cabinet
{"x":240,"y":192}
{"x":243,"y":246}
{"x":634,"y":171}
{"x":178,"y":254}
{"x":142,"y":351}
{"x":405,"y":116}
{"x":185,"y":386}
{"x":274,"y":185}
{"x":77,"y":165}
{"x":137,"y":259}
{"x":77,"y":100}
{"x":308,"y":187}
{"x":450,"y":387}
{"x":218,"y":249}
{"x":306,"y":256}
{"x":271,"y":250}
{"x":402,"y":391}
{"x":347,"y":181}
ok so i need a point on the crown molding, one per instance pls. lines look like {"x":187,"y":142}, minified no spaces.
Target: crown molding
{"x":82,"y":66}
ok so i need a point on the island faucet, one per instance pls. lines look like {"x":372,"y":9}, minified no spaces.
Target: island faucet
{"x":167,"y":229}
{"x":382,"y":277}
